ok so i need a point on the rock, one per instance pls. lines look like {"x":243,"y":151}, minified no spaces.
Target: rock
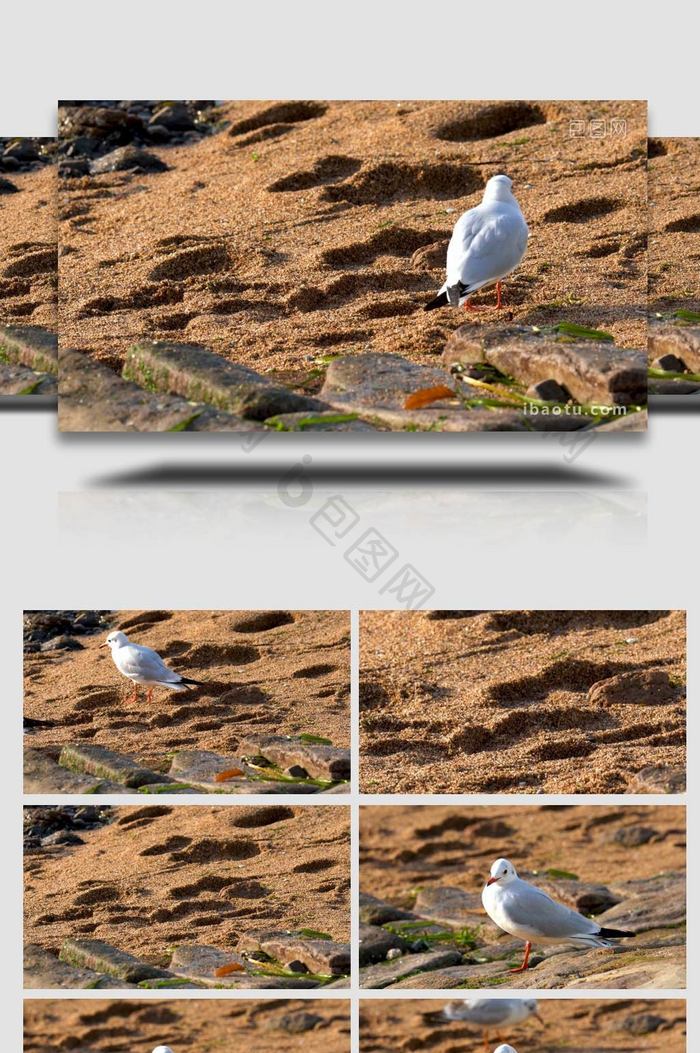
{"x":42,"y":969}
{"x":586,"y":898}
{"x":30,"y":346}
{"x":375,"y":912}
{"x":326,"y":421}
{"x":430,"y":257}
{"x":61,"y":837}
{"x":548,"y":390}
{"x":73,"y":167}
{"x":659,"y":780}
{"x":627,"y":422}
{"x":394,"y":954}
{"x":376,"y":386}
{"x":594,"y":372}
{"x":633,"y":836}
{"x":319,"y":956}
{"x":670,"y":363}
{"x":339,"y":788}
{"x":295,"y":1023}
{"x":44,"y":775}
{"x":102,"y":957}
{"x":673,"y":387}
{"x":375,"y":943}
{"x":321,"y":762}
{"x":62,"y":643}
{"x":201,"y":375}
{"x":93,"y":398}
{"x":199,"y":962}
{"x":681,"y":341}
{"x":175,"y":116}
{"x":647,"y":904}
{"x":18,"y":380}
{"x":97,"y":126}
{"x":642,"y":1023}
{"x":644,"y":687}
{"x":385,"y":974}
{"x":199,"y":768}
{"x":127,"y":159}
{"x":7,"y":187}
{"x":96,"y":760}
{"x":23,"y":150}
{"x":449,"y":906}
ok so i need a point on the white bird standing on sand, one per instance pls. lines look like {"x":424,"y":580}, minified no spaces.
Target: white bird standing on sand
{"x":491,"y":1014}
{"x":144,"y":667}
{"x":487,"y":243}
{"x":524,"y":911}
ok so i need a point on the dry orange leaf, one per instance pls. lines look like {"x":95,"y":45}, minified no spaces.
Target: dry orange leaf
{"x":425,"y":396}
{"x":230,"y":773}
{"x":226,"y":970}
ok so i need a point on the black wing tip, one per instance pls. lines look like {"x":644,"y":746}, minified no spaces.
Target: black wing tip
{"x":614,"y":934}
{"x":438,"y":301}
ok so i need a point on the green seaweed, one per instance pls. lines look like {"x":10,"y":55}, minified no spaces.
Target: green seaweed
{"x":313,"y":934}
{"x":581,"y":332}
{"x":170,"y":788}
{"x":665,"y":374}
{"x":691,"y":317}
{"x":317,"y":739}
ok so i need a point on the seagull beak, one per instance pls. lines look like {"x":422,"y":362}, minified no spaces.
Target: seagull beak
{"x":490,"y":881}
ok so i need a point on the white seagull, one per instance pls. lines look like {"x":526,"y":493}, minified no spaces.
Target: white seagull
{"x":144,"y":667}
{"x":491,"y":1014}
{"x":524,"y":911}
{"x":487,"y":243}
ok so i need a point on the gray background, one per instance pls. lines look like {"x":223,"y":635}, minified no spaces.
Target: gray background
{"x":196,"y":521}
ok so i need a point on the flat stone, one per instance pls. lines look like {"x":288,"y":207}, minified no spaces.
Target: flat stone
{"x":199,"y":768}
{"x":200,"y":962}
{"x":648,"y":904}
{"x":452,"y":976}
{"x":673,"y":387}
{"x":681,"y":341}
{"x":330,"y":420}
{"x":128,"y":158}
{"x":102,"y":957}
{"x":30,"y":346}
{"x":93,"y":398}
{"x":96,"y":760}
{"x":340,"y":788}
{"x":583,"y":896}
{"x":18,"y":380}
{"x":626,"y":422}
{"x":653,"y":779}
{"x":376,"y":386}
{"x":42,"y":969}
{"x":201,"y":375}
{"x":375,"y":942}
{"x":387,"y":973}
{"x":375,"y":911}
{"x":643,"y":687}
{"x":593,"y":371}
{"x":449,"y":906}
{"x":43,"y":775}
{"x":215,"y":420}
{"x":326,"y":957}
{"x":321,"y":762}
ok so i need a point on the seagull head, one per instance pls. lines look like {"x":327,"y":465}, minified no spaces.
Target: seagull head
{"x":118,"y":640}
{"x":503,"y":872}
{"x":505,"y":1049}
{"x":531,"y":1006}
{"x":161,"y":1049}
{"x":499,"y":188}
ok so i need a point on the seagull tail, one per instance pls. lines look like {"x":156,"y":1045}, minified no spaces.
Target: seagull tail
{"x":614,"y":934}
{"x":191,"y":683}
{"x":438,"y":301}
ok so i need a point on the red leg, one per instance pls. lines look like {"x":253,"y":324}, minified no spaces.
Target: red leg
{"x":523,"y":967}
{"x":499,"y":302}
{"x":469,"y":306}
{"x":134,"y":697}
{"x":149,"y":696}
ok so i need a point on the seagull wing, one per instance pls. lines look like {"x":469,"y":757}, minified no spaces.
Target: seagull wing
{"x":529,"y":906}
{"x":147,"y":663}
{"x":487,"y":1011}
{"x":485,"y":246}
